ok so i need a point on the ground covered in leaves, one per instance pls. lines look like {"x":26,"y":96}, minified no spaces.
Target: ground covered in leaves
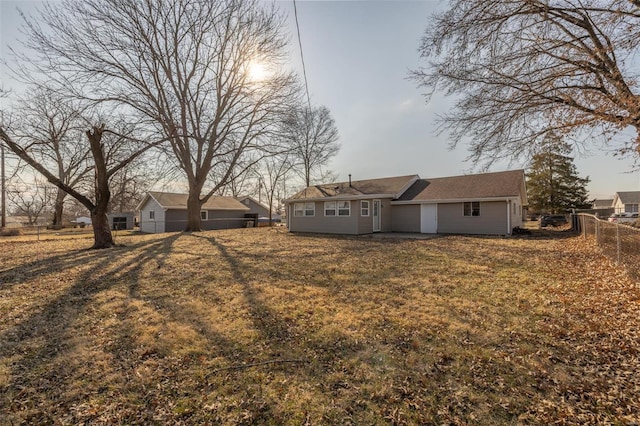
{"x":259,"y":326}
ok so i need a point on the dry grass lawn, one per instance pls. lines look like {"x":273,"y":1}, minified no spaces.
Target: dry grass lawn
{"x":259,"y":326}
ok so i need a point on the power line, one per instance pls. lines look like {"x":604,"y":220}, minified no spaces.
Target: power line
{"x":304,"y":69}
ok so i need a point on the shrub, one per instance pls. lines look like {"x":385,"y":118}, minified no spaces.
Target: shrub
{"x":10,"y":232}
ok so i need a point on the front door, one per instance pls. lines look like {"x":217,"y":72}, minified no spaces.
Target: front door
{"x":376,"y":215}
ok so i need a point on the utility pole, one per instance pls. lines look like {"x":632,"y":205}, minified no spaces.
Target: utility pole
{"x":3,"y":210}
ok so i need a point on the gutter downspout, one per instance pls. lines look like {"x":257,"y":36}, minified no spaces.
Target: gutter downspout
{"x":508,"y":217}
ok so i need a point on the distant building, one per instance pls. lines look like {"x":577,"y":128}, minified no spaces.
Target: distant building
{"x":167,"y":212}
{"x":626,"y":202}
{"x":121,"y":220}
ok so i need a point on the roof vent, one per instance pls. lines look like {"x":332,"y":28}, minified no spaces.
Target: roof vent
{"x":349,"y":180}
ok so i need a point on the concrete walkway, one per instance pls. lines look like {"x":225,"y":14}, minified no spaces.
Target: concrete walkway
{"x":401,"y":235}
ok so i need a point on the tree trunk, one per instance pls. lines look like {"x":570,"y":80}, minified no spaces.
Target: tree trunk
{"x":101,"y":232}
{"x":194,"y":221}
{"x":58,"y":209}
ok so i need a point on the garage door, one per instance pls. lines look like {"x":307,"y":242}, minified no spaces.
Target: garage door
{"x":429,"y":218}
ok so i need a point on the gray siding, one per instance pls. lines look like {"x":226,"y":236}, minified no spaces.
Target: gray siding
{"x":365,"y":223}
{"x":492,"y":219}
{"x":256,"y":208}
{"x":176,"y":220}
{"x":385,"y":211}
{"x":129,"y":216}
{"x":406,"y":218}
{"x":148,"y":225}
{"x":329,"y":225}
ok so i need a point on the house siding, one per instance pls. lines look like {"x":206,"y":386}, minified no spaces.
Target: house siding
{"x":406,"y":218}
{"x":255,"y":208}
{"x":386,"y":216}
{"x":492,"y":219}
{"x":148,"y":225}
{"x":224,"y":219}
{"x":176,"y":220}
{"x":365,"y":223}
{"x":322,"y":224}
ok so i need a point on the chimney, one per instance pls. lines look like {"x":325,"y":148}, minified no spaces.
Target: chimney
{"x":349,"y":180}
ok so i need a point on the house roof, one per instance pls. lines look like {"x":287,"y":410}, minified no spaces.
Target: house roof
{"x":602,"y":204}
{"x":391,"y":187}
{"x":628,"y":197}
{"x":253,"y":200}
{"x":168,"y":200}
{"x":478,"y":186}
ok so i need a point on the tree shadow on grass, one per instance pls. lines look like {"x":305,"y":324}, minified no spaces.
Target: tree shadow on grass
{"x":38,"y":344}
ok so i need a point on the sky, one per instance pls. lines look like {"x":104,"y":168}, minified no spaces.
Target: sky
{"x":357,"y":57}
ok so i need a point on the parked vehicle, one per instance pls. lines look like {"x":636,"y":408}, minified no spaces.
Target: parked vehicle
{"x":553,"y":220}
{"x":623,"y":217}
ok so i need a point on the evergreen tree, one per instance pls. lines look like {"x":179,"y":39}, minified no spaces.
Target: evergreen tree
{"x":553,"y":184}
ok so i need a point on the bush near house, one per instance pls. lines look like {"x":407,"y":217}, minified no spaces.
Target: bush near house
{"x":260,"y":326}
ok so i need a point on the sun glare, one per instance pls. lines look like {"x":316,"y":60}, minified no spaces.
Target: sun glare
{"x":258,"y":71}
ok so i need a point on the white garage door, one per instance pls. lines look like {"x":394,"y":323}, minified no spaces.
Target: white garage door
{"x":429,"y":218}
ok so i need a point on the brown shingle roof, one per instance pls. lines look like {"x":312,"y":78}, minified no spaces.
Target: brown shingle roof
{"x":390,"y":186}
{"x":179,"y":201}
{"x":485,"y":185}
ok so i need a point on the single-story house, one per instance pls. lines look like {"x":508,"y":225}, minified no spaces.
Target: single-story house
{"x":255,"y":207}
{"x":487,"y":203}
{"x":260,"y":210}
{"x":167,"y":212}
{"x":626,"y":202}
{"x":601,"y":204}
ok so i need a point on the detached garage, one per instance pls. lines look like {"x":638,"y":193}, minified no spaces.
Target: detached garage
{"x":167,"y":212}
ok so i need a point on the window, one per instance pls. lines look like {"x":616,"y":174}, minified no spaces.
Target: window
{"x":309,"y":209}
{"x":204,"y":214}
{"x":364,"y":208}
{"x":304,"y":209}
{"x":330,"y":208}
{"x":152,"y":215}
{"x":631,"y":208}
{"x":344,"y":208}
{"x":472,"y":208}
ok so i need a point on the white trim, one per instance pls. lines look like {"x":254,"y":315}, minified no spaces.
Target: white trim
{"x":368,"y":208}
{"x":378,"y":216}
{"x":335,"y":209}
{"x":341,"y":197}
{"x":206,"y":214}
{"x":454,"y":200}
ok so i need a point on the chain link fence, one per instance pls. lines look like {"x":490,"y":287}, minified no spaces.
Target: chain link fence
{"x":619,"y":242}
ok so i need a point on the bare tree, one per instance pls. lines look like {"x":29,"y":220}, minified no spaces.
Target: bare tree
{"x":313,"y":137}
{"x":244,"y":178}
{"x":183,"y":66}
{"x":52,"y":130}
{"x":273,"y":171}
{"x":30,"y":199}
{"x":522,"y":69}
{"x":110,"y":152}
{"x":130,"y":184}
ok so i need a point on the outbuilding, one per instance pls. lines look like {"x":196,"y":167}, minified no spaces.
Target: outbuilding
{"x":167,"y":212}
